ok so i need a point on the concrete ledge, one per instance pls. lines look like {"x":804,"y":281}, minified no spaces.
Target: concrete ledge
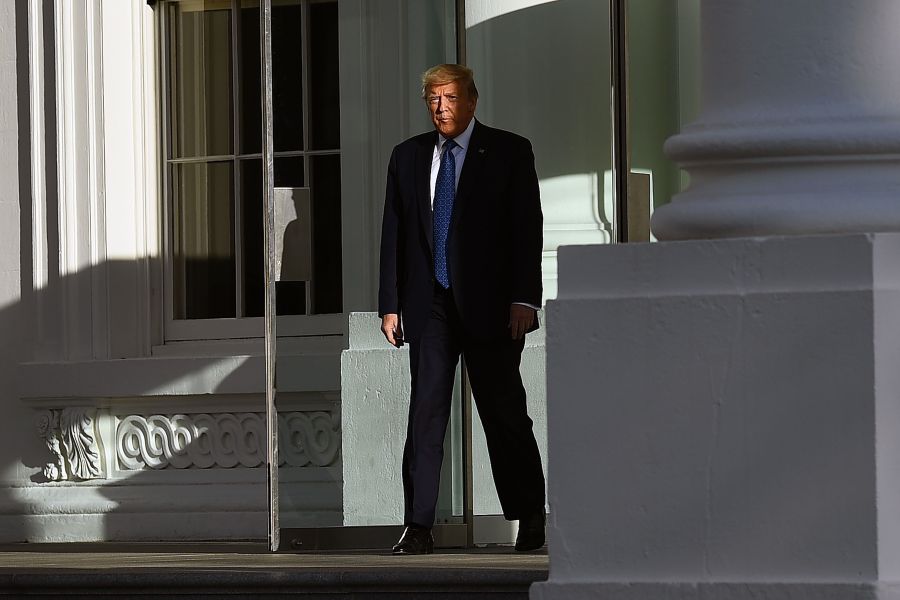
{"x":175,"y":376}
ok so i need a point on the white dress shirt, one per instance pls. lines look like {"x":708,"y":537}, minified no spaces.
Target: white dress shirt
{"x":459,"y":154}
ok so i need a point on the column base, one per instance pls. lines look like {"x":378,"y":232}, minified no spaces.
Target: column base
{"x":726,"y":411}
{"x":550,"y":590}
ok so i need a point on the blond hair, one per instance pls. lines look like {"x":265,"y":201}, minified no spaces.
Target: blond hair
{"x":449,"y":73}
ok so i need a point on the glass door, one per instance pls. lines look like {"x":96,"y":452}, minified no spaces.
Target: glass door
{"x":213,"y":436}
{"x":596,"y":87}
{"x":343,"y":89}
{"x":543,"y":71}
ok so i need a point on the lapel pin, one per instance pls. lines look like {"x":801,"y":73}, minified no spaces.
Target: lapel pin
{"x":481,"y":151}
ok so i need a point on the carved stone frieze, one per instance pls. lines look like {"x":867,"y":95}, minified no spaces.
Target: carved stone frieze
{"x":225,"y":440}
{"x":308,"y":438}
{"x":70,"y":437}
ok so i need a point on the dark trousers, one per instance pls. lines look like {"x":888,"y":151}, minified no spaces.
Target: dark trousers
{"x":493,"y":369}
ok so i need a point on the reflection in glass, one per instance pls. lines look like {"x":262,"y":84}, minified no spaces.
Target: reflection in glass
{"x":200,"y":69}
{"x":293,"y":250}
{"x":293,"y":232}
{"x":288,"y":174}
{"x":203,"y":244}
{"x":543,"y":72}
{"x":663,"y":57}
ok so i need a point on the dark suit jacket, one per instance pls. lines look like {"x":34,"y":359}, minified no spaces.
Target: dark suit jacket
{"x":495,"y":239}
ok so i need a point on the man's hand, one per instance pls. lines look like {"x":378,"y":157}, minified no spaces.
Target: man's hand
{"x":521,"y":318}
{"x":390,"y":327}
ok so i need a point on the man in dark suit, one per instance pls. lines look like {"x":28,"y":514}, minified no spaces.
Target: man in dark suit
{"x":461,"y":270}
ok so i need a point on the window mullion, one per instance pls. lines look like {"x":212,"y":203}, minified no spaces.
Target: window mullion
{"x":238,"y":198}
{"x":168,"y":107}
{"x":201,"y":159}
{"x":307,"y":172}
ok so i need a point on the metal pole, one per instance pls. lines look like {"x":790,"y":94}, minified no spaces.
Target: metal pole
{"x":461,"y":32}
{"x":621,"y":150}
{"x":265,"y":40}
{"x":468,"y":469}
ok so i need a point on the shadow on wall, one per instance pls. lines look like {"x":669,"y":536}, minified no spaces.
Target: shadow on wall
{"x":18,"y":450}
{"x":31,"y":330}
{"x":98,"y":474}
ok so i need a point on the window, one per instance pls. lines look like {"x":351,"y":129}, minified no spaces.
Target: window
{"x":213,"y":161}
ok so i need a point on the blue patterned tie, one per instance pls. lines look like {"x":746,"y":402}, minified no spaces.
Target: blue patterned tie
{"x":444,"y":193}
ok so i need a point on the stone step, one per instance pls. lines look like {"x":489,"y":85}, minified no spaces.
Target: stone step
{"x":233,"y":584}
{"x":496,"y":573}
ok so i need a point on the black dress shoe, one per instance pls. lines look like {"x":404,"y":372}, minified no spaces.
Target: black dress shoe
{"x":531,"y":532}
{"x":415,"y":540}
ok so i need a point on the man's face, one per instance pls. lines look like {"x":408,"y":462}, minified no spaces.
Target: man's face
{"x":451,"y":108}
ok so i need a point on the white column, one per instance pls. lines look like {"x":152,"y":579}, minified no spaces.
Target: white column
{"x":724,"y":414}
{"x":799,"y":127}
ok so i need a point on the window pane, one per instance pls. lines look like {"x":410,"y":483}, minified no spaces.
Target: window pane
{"x":200,"y":64}
{"x":203,"y":222}
{"x":250,"y":114}
{"x":325,"y":181}
{"x":287,"y":77}
{"x":289,"y":171}
{"x":324,"y":84}
{"x":252,"y":246}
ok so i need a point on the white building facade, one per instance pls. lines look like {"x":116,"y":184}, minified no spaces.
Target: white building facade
{"x":131,"y":261}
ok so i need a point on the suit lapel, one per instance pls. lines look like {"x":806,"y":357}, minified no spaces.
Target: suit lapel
{"x":471,"y":171}
{"x":424,"y":156}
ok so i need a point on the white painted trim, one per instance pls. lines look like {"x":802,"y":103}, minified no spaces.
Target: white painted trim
{"x":105,"y":74}
{"x":40,"y":276}
{"x":293,"y":345}
{"x":169,"y":376}
{"x":63,"y":100}
{"x":96,"y":184}
{"x":252,"y":327}
{"x":312,"y":400}
{"x":83,"y":499}
{"x":45,"y":348}
{"x":150,"y":236}
{"x":77,"y":167}
{"x":131,"y":221}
